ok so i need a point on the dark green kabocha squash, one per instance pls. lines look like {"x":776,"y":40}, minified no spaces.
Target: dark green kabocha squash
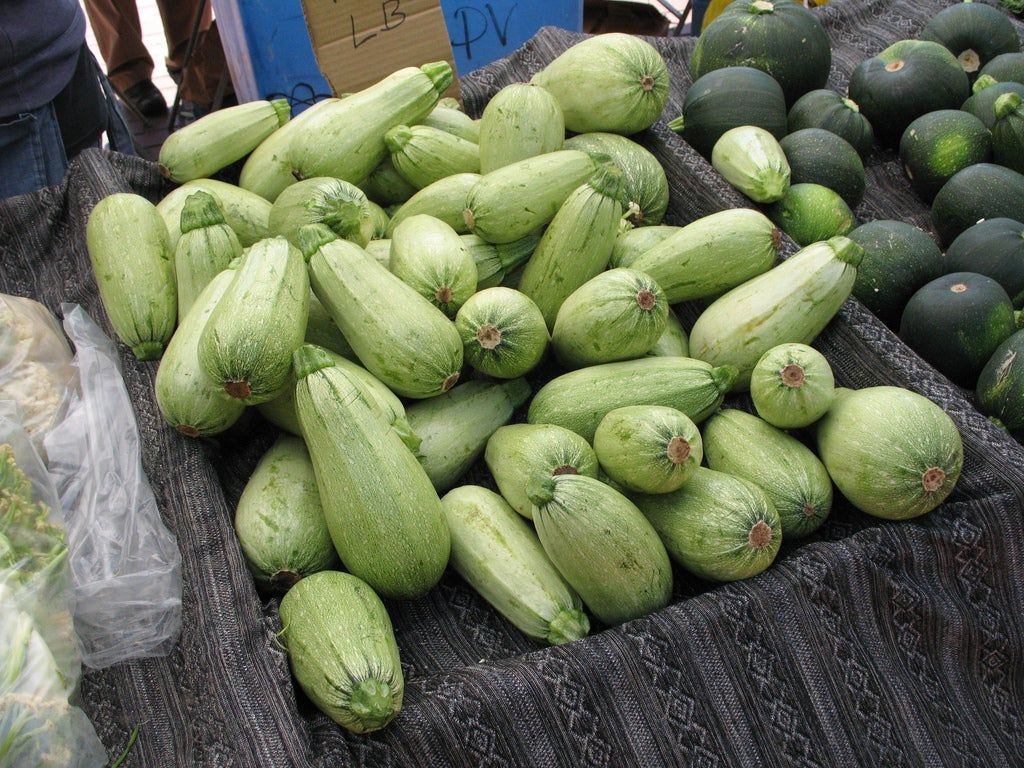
{"x":817,"y":156}
{"x":973,"y":32}
{"x":982,"y":191}
{"x":938,"y":145}
{"x":836,"y":113}
{"x":994,"y":248}
{"x":982,"y":102}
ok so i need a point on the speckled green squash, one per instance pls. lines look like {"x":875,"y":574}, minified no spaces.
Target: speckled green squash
{"x":518,"y":452}
{"x":342,"y":650}
{"x":454,"y":427}
{"x":423,"y":155}
{"x":246,"y":346}
{"x":279,"y":521}
{"x":500,"y":556}
{"x":744,"y":446}
{"x":428,"y":256}
{"x":631,"y":243}
{"x":444,"y":200}
{"x":382,"y":511}
{"x":602,"y":545}
{"x":503,"y":333}
{"x":891,"y":452}
{"x":206,"y":247}
{"x":792,"y":386}
{"x":519,"y":122}
{"x":341,"y":206}
{"x":673,"y":342}
{"x":618,"y":315}
{"x":648,"y":448}
{"x":246,"y":213}
{"x":717,"y":526}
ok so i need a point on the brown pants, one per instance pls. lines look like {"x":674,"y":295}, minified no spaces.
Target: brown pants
{"x":119,"y":34}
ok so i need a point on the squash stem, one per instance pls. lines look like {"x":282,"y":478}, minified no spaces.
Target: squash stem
{"x":568,"y":624}
{"x":372,"y":704}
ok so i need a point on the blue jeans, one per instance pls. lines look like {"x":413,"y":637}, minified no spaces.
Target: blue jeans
{"x":31,"y":152}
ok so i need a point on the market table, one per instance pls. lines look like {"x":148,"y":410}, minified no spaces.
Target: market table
{"x":871,"y":643}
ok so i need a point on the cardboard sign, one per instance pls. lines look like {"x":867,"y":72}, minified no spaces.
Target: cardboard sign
{"x":358,"y":42}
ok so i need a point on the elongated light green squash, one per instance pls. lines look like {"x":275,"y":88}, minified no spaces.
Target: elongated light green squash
{"x":206,"y":247}
{"x":499,"y":555}
{"x":494,"y":261}
{"x":281,"y":410}
{"x":717,"y":526}
{"x":633,"y":242}
{"x":444,"y":200}
{"x":324,"y":332}
{"x":341,"y":206}
{"x":516,"y":453}
{"x":454,"y":427}
{"x":380,"y":220}
{"x":453,"y":121}
{"x":577,"y":244}
{"x":246,"y":346}
{"x":580,"y":399}
{"x":399,"y":336}
{"x":385,"y":185}
{"x":602,"y":545}
{"x":383,"y":514}
{"x":644,"y":183}
{"x":612,"y":82}
{"x":131,"y":260}
{"x":267,"y":171}
{"x":188,"y":398}
{"x":246,"y":213}
{"x":279,"y":520}
{"x":791,"y":303}
{"x":428,"y":256}
{"x":712,"y":254}
{"x":346,"y":140}
{"x":752,"y":160}
{"x":514,"y":201}
{"x":673,"y":342}
{"x":423,"y":155}
{"x":648,"y":448}
{"x":220,"y":138}
{"x":503,"y":333}
{"x":618,"y":315}
{"x":343,"y":651}
{"x":891,"y":452}
{"x":742,"y":445}
{"x":519,"y":122}
{"x":792,"y":386}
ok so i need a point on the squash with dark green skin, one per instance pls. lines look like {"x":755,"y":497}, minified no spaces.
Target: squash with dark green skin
{"x":1006,"y":67}
{"x":906,"y":80}
{"x":898,"y":259}
{"x":994,"y":248}
{"x":974,"y":32}
{"x":938,"y":145}
{"x":982,"y":191}
{"x":809,"y":213}
{"x":817,"y":156}
{"x":835,"y":113}
{"x":729,"y":98}
{"x":982,"y":103}
{"x":1000,"y":390}
{"x":779,"y":37}
{"x":1008,"y":131}
{"x":955,"y":322}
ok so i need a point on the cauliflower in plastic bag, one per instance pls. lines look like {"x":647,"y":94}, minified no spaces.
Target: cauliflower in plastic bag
{"x":35,"y":362}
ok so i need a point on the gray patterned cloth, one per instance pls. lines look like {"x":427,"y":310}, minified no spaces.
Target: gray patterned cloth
{"x":875,"y":644}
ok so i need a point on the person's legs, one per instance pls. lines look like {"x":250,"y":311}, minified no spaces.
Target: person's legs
{"x":178,"y":17}
{"x":119,"y":35}
{"x":31,"y":152}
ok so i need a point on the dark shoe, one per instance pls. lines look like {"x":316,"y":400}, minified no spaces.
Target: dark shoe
{"x":144,"y":98}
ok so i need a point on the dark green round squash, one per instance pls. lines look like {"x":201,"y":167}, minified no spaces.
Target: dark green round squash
{"x":982,"y":191}
{"x":779,"y":37}
{"x":906,"y":80}
{"x":817,"y":156}
{"x":1008,"y":131}
{"x":728,"y":98}
{"x":938,"y":145}
{"x":1000,"y":389}
{"x":832,"y":112}
{"x":956,"y":321}
{"x":1006,"y":67}
{"x":982,"y":104}
{"x":898,"y":259}
{"x":973,"y":32}
{"x":994,"y":248}
{"x":809,"y":213}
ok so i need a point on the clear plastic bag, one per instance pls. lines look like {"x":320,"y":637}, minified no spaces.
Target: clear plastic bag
{"x":39,"y":664}
{"x":125,"y":565}
{"x":35,"y":363}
